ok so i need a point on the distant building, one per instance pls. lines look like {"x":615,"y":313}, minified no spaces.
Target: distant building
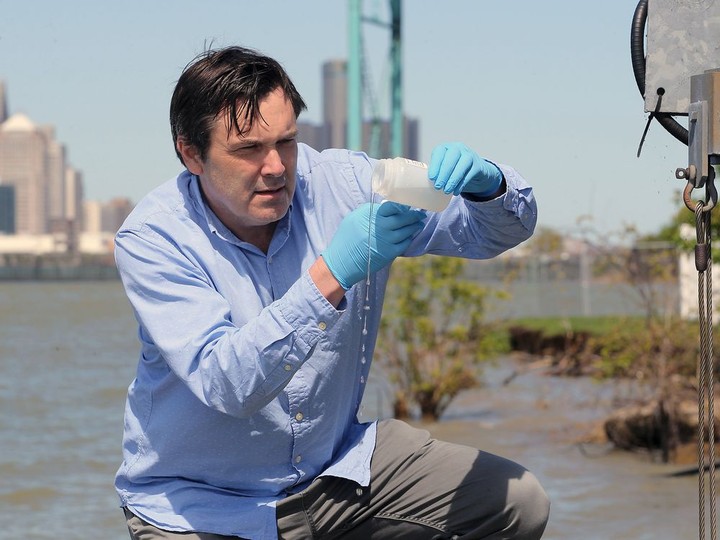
{"x":107,"y":217}
{"x":32,"y":244}
{"x":334,"y":102}
{"x":39,"y":191}
{"x":92,"y":217}
{"x":74,"y":196}
{"x":45,"y":188}
{"x":3,"y":103}
{"x":332,"y":132}
{"x":100,"y":223}
{"x":24,"y":163}
{"x":314,"y":135}
{"x":113,"y":214}
{"x":7,"y":209}
{"x":56,"y":166}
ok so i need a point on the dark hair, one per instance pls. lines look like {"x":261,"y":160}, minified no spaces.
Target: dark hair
{"x":232,"y":80}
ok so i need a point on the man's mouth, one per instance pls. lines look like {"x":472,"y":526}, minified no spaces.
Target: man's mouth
{"x":270,"y":191}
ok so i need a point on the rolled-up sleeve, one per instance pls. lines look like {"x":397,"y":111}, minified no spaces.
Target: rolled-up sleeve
{"x":235,"y":369}
{"x":480,"y":230}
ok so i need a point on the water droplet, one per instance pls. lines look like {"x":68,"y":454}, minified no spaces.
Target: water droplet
{"x":366,"y":305}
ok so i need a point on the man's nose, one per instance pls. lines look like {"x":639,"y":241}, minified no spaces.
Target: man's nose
{"x":273,"y":165}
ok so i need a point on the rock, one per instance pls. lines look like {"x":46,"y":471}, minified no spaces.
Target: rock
{"x":666,"y":426}
{"x":570,"y":352}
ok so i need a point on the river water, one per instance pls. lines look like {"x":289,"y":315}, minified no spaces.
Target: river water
{"x":68,"y":352}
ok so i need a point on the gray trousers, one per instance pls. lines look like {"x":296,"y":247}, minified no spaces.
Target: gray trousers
{"x":421,"y":488}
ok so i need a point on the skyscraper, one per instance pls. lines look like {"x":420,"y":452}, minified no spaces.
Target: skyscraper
{"x":55,"y":175}
{"x":7,"y":209}
{"x":74,"y":195}
{"x":332,"y":133}
{"x":73,"y":214}
{"x":24,"y":165}
{"x":40,"y":194}
{"x":3,"y":103}
{"x":334,"y":84}
{"x":114,"y":213}
{"x":34,"y":165}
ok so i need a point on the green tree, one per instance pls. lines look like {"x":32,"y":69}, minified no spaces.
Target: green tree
{"x":546,"y":240}
{"x":432,"y":334}
{"x":681,"y":231}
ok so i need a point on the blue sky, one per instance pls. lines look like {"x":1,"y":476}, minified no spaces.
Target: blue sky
{"x":544,"y":86}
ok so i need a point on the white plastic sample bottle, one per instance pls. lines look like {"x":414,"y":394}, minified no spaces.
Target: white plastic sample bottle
{"x":406,"y":181}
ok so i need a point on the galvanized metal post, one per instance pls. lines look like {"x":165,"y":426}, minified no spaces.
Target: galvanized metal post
{"x":354,"y":87}
{"x":396,"y":120}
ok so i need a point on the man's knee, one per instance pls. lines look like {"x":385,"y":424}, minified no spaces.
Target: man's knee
{"x":529,"y":507}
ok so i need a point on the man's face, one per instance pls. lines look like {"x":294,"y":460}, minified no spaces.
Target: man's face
{"x":249,"y":181}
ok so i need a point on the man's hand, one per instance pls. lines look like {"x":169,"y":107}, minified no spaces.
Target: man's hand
{"x":456,"y":169}
{"x":379,"y":232}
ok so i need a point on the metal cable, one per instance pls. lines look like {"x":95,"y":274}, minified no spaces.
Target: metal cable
{"x":706,"y":375}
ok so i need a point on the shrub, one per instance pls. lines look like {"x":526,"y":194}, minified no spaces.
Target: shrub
{"x":433,"y":335}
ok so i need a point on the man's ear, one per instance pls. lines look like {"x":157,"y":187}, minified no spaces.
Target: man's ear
{"x":190,"y":156}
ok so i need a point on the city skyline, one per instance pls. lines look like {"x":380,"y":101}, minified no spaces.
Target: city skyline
{"x":329,"y":132}
{"x":42,"y":205}
{"x":542,"y":86}
{"x":34,"y":167}
{"x":41,"y":193}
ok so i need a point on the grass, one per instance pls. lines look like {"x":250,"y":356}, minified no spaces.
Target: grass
{"x":550,"y":326}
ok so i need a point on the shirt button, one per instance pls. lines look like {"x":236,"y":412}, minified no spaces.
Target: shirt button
{"x":269,"y":259}
{"x":299,"y":416}
{"x":298,"y":459}
{"x":358,"y":491}
{"x":288,"y":367}
{"x":322,"y":325}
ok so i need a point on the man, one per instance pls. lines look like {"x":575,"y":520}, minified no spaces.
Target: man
{"x":248,"y":277}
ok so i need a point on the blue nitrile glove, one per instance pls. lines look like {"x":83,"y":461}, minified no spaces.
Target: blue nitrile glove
{"x":391,"y":228}
{"x":454,"y":168}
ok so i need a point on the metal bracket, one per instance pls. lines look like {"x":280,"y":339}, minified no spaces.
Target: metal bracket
{"x":710,"y":193}
{"x":698,"y":142}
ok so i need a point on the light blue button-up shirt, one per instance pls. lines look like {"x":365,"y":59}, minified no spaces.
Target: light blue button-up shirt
{"x":249,"y":380}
